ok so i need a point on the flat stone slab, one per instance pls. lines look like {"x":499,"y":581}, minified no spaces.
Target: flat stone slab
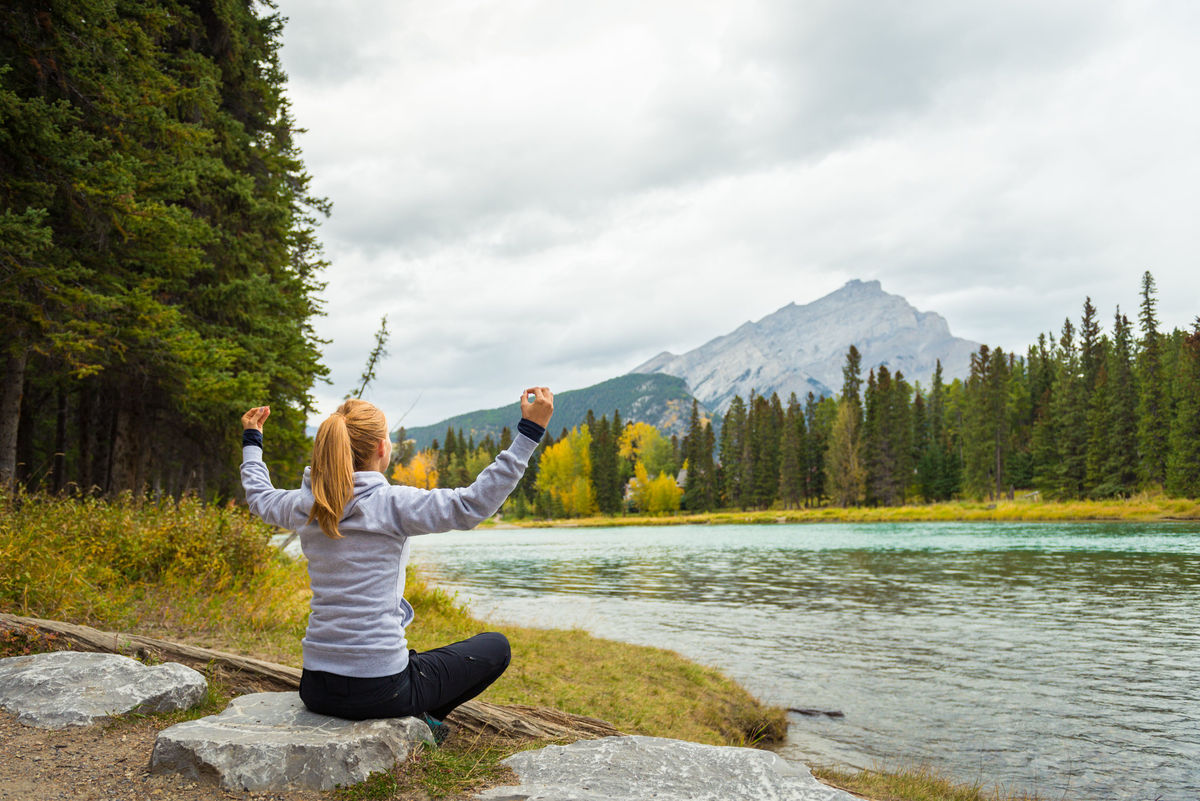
{"x":642,"y":768}
{"x":71,"y":688}
{"x":270,"y":741}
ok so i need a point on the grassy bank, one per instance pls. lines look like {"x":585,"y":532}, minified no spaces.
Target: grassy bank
{"x":1145,"y":507}
{"x":918,"y":783}
{"x":207,"y":576}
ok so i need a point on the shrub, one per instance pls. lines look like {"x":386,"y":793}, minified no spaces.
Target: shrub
{"x":86,"y":557}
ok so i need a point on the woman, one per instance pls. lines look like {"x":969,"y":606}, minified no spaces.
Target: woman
{"x":354,"y":528}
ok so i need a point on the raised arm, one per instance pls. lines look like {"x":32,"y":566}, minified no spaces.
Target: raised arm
{"x":275,"y":506}
{"x":428,"y":511}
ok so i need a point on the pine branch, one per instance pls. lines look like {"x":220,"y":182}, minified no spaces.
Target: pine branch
{"x":377,"y":353}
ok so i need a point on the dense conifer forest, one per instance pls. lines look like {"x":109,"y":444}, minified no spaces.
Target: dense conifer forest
{"x":158,"y":256}
{"x":1084,"y":413}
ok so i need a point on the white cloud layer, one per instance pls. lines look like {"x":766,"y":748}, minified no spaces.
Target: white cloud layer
{"x":550,"y":192}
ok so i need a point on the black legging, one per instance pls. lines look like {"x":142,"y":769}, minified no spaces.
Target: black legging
{"x":434,"y":683}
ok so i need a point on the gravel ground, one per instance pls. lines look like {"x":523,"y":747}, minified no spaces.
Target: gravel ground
{"x":99,"y":762}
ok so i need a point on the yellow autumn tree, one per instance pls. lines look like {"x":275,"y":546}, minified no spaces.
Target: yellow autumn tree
{"x":642,"y":442}
{"x":421,"y":471}
{"x":654,"y":495}
{"x":565,"y":474}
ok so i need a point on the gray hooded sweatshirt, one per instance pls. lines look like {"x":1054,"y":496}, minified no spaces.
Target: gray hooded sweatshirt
{"x":356,"y":627}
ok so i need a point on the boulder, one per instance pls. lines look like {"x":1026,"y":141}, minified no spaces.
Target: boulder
{"x":637,"y":768}
{"x":70,"y":688}
{"x":269,"y":741}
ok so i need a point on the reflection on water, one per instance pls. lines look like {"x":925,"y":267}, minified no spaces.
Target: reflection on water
{"x":1058,"y":658}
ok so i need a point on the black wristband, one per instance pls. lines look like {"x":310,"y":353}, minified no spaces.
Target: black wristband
{"x":252,"y":436}
{"x":530,"y":429}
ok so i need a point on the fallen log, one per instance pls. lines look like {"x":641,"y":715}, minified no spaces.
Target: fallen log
{"x":247,"y":674}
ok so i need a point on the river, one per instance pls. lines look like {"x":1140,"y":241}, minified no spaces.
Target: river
{"x":1057,"y":658}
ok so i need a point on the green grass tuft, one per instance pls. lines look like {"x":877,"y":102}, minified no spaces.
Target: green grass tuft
{"x":914,"y":783}
{"x":452,"y":770}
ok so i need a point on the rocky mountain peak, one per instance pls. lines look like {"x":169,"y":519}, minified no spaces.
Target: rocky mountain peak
{"x":802,"y":348}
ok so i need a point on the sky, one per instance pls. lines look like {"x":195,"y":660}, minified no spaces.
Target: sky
{"x":551,"y":193}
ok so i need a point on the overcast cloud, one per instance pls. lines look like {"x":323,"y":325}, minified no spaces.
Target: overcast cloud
{"x":553,"y":192}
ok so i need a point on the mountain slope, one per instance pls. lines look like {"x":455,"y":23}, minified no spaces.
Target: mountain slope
{"x":660,"y":400}
{"x":803,"y":348}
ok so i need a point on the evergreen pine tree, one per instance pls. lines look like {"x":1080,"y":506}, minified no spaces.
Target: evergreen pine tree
{"x":733,"y":436}
{"x":1090,"y":355}
{"x":791,"y":454}
{"x":1122,"y":468}
{"x":445,"y":456}
{"x":150,"y":175}
{"x":765,"y":426}
{"x":749,"y":452}
{"x":1044,"y":437}
{"x":876,"y":448}
{"x":921,"y":482}
{"x":624,"y":471}
{"x":900,"y":422}
{"x":812,"y":467}
{"x":1153,"y":421}
{"x":1100,"y":424}
{"x":1019,"y":462}
{"x":932,"y":469}
{"x":977,"y":440}
{"x":852,"y":377}
{"x":1183,"y":461}
{"x":709,"y":488}
{"x":998,"y":376}
{"x":1069,"y":410}
{"x":698,"y":487}
{"x":605,"y":483}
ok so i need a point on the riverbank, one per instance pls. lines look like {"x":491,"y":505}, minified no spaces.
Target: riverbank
{"x":1144,"y":507}
{"x":206,"y":576}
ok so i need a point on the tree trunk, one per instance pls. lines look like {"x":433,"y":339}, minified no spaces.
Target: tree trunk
{"x":10,"y":413}
{"x":60,"y":441}
{"x":123,"y":475}
{"x":999,"y":475}
{"x":83,"y":431}
{"x":27,"y":424}
{"x":107,"y":424}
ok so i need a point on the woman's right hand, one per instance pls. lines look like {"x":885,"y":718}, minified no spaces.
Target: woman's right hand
{"x":541,"y":408}
{"x":256,"y":417}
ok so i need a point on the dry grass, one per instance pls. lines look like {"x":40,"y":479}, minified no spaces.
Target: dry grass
{"x":1143,"y":507}
{"x":914,"y":783}
{"x":208,"y":576}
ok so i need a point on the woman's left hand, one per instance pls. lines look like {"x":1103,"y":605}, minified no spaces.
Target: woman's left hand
{"x":256,"y":417}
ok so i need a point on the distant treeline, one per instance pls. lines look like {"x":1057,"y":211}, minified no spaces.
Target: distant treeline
{"x":1082,"y":414}
{"x":157,"y":250}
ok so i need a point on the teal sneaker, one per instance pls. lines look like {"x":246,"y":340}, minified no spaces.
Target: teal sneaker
{"x":440,"y":729}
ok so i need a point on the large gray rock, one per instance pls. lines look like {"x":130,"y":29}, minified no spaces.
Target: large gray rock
{"x":641,"y":768}
{"x":269,"y":741}
{"x":69,"y":688}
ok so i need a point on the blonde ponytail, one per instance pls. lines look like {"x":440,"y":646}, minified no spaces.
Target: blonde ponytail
{"x":345,"y":442}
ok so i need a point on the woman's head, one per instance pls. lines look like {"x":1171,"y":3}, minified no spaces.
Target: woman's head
{"x":355,"y":437}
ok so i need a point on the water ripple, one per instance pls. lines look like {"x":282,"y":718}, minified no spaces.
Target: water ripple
{"x":1058,"y":658}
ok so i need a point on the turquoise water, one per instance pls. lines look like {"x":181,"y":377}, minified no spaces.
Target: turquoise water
{"x":1059,"y":658}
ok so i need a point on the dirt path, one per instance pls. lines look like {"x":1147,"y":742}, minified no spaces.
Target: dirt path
{"x":98,"y":762}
